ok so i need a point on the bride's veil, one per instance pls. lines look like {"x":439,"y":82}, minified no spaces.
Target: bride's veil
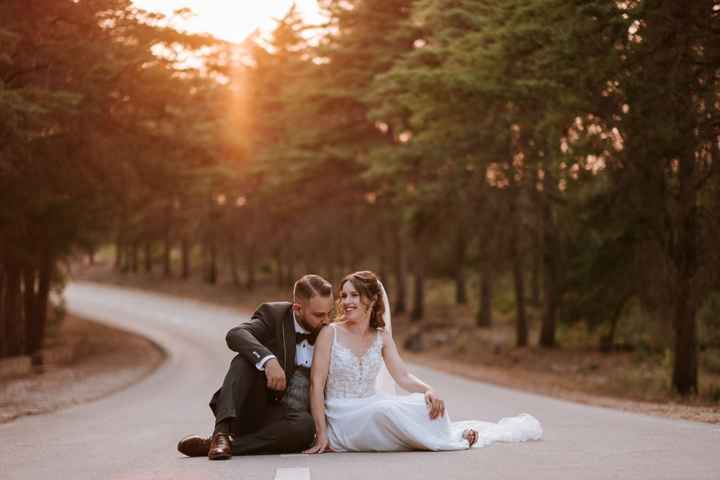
{"x":384,"y":382}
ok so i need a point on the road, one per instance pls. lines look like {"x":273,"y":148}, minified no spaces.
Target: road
{"x":132,"y":434}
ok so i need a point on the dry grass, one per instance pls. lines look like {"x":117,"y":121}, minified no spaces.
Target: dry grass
{"x":626,"y":380}
{"x":84,"y":361}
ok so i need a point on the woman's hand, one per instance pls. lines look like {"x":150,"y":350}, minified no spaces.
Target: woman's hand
{"x":321,"y":445}
{"x":435,"y":405}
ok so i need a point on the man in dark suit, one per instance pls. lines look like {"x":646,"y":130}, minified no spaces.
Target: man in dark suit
{"x":263,"y":404}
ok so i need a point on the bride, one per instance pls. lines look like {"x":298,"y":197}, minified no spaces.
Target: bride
{"x":352,"y":397}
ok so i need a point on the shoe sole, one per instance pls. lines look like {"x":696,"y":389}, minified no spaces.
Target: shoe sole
{"x":222,"y":456}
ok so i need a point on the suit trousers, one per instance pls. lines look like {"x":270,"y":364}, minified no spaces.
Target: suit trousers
{"x":258,"y":424}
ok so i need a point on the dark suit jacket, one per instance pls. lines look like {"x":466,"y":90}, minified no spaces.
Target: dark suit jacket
{"x":270,"y":330}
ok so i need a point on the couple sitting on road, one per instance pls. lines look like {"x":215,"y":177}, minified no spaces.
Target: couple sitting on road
{"x":272,"y":401}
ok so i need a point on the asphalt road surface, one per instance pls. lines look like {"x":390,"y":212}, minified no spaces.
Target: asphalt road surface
{"x":133,"y":434}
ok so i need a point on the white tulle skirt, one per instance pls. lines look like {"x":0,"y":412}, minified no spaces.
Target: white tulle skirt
{"x":386,"y":422}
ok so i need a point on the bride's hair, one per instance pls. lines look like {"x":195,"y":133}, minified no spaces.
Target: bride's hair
{"x":368,"y":285}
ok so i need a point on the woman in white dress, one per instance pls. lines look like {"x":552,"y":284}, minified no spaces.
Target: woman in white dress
{"x":353,"y":412}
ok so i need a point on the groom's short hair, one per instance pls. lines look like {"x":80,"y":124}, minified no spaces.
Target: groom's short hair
{"x":310,"y":285}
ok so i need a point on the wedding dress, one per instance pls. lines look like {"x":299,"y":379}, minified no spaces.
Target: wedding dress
{"x":361,"y":417}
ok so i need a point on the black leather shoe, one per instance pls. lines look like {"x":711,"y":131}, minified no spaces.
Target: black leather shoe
{"x":220,"y":447}
{"x":194,"y":446}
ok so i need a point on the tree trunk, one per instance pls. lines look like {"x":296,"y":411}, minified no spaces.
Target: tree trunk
{"x":3,"y":327}
{"x":119,"y":250}
{"x":521,"y":327}
{"x":484,"y":315}
{"x":607,"y":341}
{"x":167,"y":255}
{"x":30,"y":298}
{"x":334,"y":273}
{"x":168,"y":239}
{"x":418,"y":310}
{"x":40,"y":309}
{"x":400,"y":272}
{"x":290,"y":269}
{"x":536,"y":257}
{"x":185,"y":253}
{"x":551,"y":256}
{"x":550,"y":303}
{"x":460,"y":254}
{"x":250,"y":262}
{"x":13,"y":317}
{"x":148,"y":257}
{"x":134,"y":257}
{"x":684,"y":375}
{"x":211,"y":254}
{"x":685,"y":257}
{"x":536,"y":271}
{"x":383,"y":263}
{"x":340,"y":259}
{"x":279,"y":279}
{"x":124,"y":258}
{"x":331,"y":267}
{"x":234,"y":263}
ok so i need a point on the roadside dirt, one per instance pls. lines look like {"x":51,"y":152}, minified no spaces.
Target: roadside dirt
{"x":85,"y":361}
{"x":630,"y":381}
{"x":552,"y":386}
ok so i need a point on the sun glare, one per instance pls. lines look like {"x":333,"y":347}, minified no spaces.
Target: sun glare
{"x":231,"y":20}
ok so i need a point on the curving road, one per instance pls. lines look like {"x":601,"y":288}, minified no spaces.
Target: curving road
{"x":132,"y":434}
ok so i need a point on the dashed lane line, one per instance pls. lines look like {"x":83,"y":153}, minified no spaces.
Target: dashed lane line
{"x":292,"y":474}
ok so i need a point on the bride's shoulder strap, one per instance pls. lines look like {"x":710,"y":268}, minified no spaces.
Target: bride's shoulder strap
{"x":380,"y":338}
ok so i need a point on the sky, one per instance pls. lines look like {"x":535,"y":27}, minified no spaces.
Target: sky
{"x":231,"y":20}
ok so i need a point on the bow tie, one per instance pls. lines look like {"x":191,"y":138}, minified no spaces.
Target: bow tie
{"x":310,"y":337}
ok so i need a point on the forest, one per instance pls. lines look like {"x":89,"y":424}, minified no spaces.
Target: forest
{"x":569,"y":146}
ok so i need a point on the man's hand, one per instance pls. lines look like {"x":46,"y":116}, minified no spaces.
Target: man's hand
{"x":275,"y":375}
{"x":435,"y":405}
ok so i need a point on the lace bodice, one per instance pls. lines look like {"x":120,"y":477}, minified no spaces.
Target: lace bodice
{"x":350,"y":375}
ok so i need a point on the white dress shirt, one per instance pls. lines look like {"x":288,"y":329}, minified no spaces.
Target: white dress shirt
{"x":303,"y":352}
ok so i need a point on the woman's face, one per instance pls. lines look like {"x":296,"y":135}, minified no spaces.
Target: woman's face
{"x":352,"y":302}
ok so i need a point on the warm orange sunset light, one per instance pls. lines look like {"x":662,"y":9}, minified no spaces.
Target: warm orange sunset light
{"x":231,"y":20}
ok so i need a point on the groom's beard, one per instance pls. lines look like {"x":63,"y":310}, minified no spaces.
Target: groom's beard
{"x":303,"y":324}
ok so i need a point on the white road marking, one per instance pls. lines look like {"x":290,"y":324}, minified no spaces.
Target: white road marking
{"x":292,"y":474}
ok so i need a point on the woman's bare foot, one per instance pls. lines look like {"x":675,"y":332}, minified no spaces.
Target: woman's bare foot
{"x":471,"y":436}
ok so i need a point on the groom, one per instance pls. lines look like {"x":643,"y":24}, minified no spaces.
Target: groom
{"x":263,"y":404}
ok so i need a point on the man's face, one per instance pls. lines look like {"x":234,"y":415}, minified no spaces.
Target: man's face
{"x":315,"y":313}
